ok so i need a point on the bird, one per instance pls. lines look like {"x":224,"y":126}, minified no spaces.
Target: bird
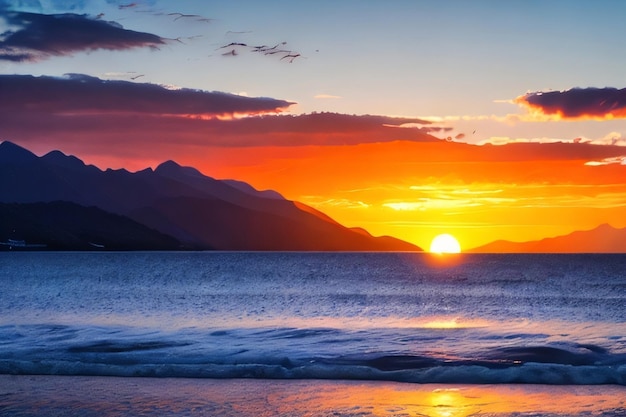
{"x":137,"y":76}
{"x":190,"y":16}
{"x":181,"y":15}
{"x":291,"y":56}
{"x":276,"y":46}
{"x":277,"y":51}
{"x":285,"y":54}
{"x":233,"y":44}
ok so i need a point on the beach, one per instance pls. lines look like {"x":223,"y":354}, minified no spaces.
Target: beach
{"x":113,"y":396}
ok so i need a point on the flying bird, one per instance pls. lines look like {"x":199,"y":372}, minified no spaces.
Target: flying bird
{"x":285,"y":54}
{"x":190,"y":16}
{"x":276,"y":46}
{"x":137,"y":76}
{"x":291,"y":57}
{"x":127,"y":6}
{"x":277,"y":51}
{"x":233,"y":44}
{"x":181,"y":15}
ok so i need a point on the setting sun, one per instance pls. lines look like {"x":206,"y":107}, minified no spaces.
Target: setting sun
{"x":445,"y":243}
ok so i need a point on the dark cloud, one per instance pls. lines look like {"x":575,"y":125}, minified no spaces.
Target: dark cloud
{"x":84,"y":102}
{"x":82,"y":94}
{"x":578,"y":102}
{"x":83,"y":108}
{"x":150,"y":130}
{"x":325,"y":122}
{"x":35,"y":36}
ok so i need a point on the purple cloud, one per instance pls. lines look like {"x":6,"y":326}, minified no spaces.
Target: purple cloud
{"x":82,"y":94}
{"x":81,"y":108}
{"x":601,"y":103}
{"x":40,"y":36}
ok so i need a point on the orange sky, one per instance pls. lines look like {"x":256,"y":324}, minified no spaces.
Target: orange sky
{"x":363,"y":171}
{"x":415,"y":191}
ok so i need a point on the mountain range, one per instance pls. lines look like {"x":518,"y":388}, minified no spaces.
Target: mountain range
{"x":170,"y":206}
{"x":603,"y":239}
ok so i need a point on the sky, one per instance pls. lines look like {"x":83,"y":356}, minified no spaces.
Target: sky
{"x":483,"y":119}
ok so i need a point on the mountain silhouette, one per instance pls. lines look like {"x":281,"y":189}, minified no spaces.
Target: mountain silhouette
{"x":198,"y":211}
{"x":602,"y":239}
{"x":62,"y":225}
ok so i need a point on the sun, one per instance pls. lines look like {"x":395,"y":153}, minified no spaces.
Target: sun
{"x":445,"y":243}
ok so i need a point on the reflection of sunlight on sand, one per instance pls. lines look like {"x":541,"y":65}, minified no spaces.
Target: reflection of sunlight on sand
{"x":298,"y":398}
{"x":456,"y":402}
{"x":437,"y":401}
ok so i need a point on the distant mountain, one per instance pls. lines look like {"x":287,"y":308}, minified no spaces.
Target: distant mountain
{"x":245,"y":187}
{"x":602,"y":239}
{"x":62,"y":225}
{"x":199,"y":211}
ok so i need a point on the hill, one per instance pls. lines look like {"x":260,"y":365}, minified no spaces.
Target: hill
{"x":603,"y":239}
{"x":198,"y":211}
{"x":62,"y":225}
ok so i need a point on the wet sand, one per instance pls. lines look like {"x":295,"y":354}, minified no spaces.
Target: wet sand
{"x":113,"y":396}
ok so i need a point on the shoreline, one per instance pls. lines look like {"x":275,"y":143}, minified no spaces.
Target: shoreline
{"x":118,"y":396}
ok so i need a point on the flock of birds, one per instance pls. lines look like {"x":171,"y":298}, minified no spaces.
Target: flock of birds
{"x":278,"y":50}
{"x":229,"y":50}
{"x":234,"y":48}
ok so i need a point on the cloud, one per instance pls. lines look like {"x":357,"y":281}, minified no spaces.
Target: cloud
{"x":35,"y":36}
{"x":79,"y":94}
{"x":82,"y":108}
{"x":322,"y":202}
{"x":611,"y":139}
{"x":446,"y":197}
{"x":419,"y":125}
{"x":329,"y":123}
{"x":577,"y":103}
{"x":326,"y":96}
{"x":505,"y":140}
{"x":442,"y":196}
{"x":620,"y":160}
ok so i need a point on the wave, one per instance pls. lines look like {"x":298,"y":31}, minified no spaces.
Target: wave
{"x":292,"y":353}
{"x":528,"y":373}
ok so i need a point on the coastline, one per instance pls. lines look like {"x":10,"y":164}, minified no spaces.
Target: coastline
{"x":113,"y":396}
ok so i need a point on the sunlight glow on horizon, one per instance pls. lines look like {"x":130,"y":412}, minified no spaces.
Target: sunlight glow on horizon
{"x":445,"y":243}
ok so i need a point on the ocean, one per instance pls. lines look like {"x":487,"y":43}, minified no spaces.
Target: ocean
{"x":290,"y":323}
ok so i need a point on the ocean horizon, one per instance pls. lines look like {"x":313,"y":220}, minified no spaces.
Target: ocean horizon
{"x":388,"y":318}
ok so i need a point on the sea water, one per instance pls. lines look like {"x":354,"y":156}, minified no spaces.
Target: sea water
{"x":403,"y":317}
